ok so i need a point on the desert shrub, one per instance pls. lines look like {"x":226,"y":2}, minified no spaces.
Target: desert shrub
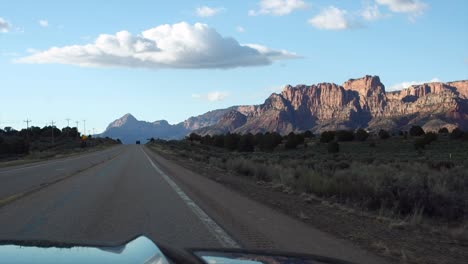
{"x":428,"y":138}
{"x":362,"y":134}
{"x":443,"y":130}
{"x":327,"y":136}
{"x":333,"y":147}
{"x":403,"y":189}
{"x":416,"y":131}
{"x":344,"y":135}
{"x":457,"y":133}
{"x":420,"y":144}
{"x":308,"y":134}
{"x":383,"y":134}
{"x":250,"y":168}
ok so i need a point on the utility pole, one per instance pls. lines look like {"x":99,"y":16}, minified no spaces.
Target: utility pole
{"x":27,"y":121}
{"x":68,"y":126}
{"x":77,"y":123}
{"x":84,"y":127}
{"x":52,"y":126}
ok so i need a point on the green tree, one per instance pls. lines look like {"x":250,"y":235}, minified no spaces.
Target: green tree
{"x":416,"y":131}
{"x":327,"y":136}
{"x":362,"y":134}
{"x":457,"y":133}
{"x":246,"y":143}
{"x":231,"y":141}
{"x":443,"y":130}
{"x":383,"y":134}
{"x":344,"y":135}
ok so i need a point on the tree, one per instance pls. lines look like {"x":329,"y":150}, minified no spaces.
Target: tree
{"x":416,"y":131}
{"x":327,"y":136}
{"x":194,"y":137}
{"x":246,"y":143}
{"x":308,"y":134}
{"x":270,"y":141}
{"x":218,"y":141}
{"x":383,"y":134}
{"x":443,"y":130}
{"x":344,"y":135}
{"x":231,"y":141}
{"x":457,"y":133}
{"x":361,"y":135}
{"x":291,"y":142}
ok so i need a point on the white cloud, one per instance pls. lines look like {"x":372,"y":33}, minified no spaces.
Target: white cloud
{"x":181,"y":46}
{"x":43,"y":23}
{"x":4,"y":25}
{"x":206,"y":11}
{"x":240,"y":29}
{"x":413,"y":7}
{"x":332,"y":18}
{"x":405,"y":85}
{"x":371,"y":12}
{"x":278,"y":7}
{"x":212,"y":96}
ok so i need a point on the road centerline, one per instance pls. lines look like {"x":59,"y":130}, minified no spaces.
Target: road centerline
{"x":217,"y":231}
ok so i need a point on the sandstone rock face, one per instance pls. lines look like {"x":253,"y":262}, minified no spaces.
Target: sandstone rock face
{"x":357,"y":103}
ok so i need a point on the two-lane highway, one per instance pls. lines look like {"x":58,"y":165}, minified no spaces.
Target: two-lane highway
{"x":112,"y":201}
{"x":122,"y":192}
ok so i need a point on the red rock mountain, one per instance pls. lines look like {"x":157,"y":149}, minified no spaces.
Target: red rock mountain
{"x":357,"y":103}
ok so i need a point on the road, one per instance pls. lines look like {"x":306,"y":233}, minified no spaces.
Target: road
{"x":116,"y":194}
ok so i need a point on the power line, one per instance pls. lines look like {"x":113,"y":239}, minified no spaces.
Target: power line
{"x":27,"y":121}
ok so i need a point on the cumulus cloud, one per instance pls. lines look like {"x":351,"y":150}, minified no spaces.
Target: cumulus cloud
{"x":404,"y":85}
{"x":278,"y":7}
{"x":206,"y":11}
{"x":180,"y":46}
{"x":240,"y":29}
{"x":43,"y":23}
{"x":413,"y":7}
{"x":371,"y":12}
{"x":4,"y":25}
{"x":212,"y":96}
{"x":333,"y":18}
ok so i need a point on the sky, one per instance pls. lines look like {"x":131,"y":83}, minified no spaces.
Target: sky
{"x":96,"y":60}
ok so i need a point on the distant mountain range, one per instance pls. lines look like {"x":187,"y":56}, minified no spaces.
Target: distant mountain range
{"x":358,"y":103}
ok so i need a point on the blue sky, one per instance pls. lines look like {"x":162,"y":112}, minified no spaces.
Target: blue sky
{"x":203,"y":59}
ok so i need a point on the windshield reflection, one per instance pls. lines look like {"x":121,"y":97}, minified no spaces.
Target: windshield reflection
{"x":140,"y":250}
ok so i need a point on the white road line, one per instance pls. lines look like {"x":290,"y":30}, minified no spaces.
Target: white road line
{"x":223,"y":238}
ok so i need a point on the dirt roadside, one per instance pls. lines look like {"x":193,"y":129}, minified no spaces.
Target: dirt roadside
{"x":255,"y":225}
{"x":396,"y":242}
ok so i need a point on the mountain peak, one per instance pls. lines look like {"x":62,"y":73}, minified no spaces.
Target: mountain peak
{"x":365,"y":85}
{"x":127,"y":118}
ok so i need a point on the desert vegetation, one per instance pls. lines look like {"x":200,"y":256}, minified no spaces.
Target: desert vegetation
{"x":37,"y":142}
{"x":403,"y":174}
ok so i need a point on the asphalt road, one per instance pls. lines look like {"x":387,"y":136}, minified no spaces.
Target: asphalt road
{"x":116,"y":194}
